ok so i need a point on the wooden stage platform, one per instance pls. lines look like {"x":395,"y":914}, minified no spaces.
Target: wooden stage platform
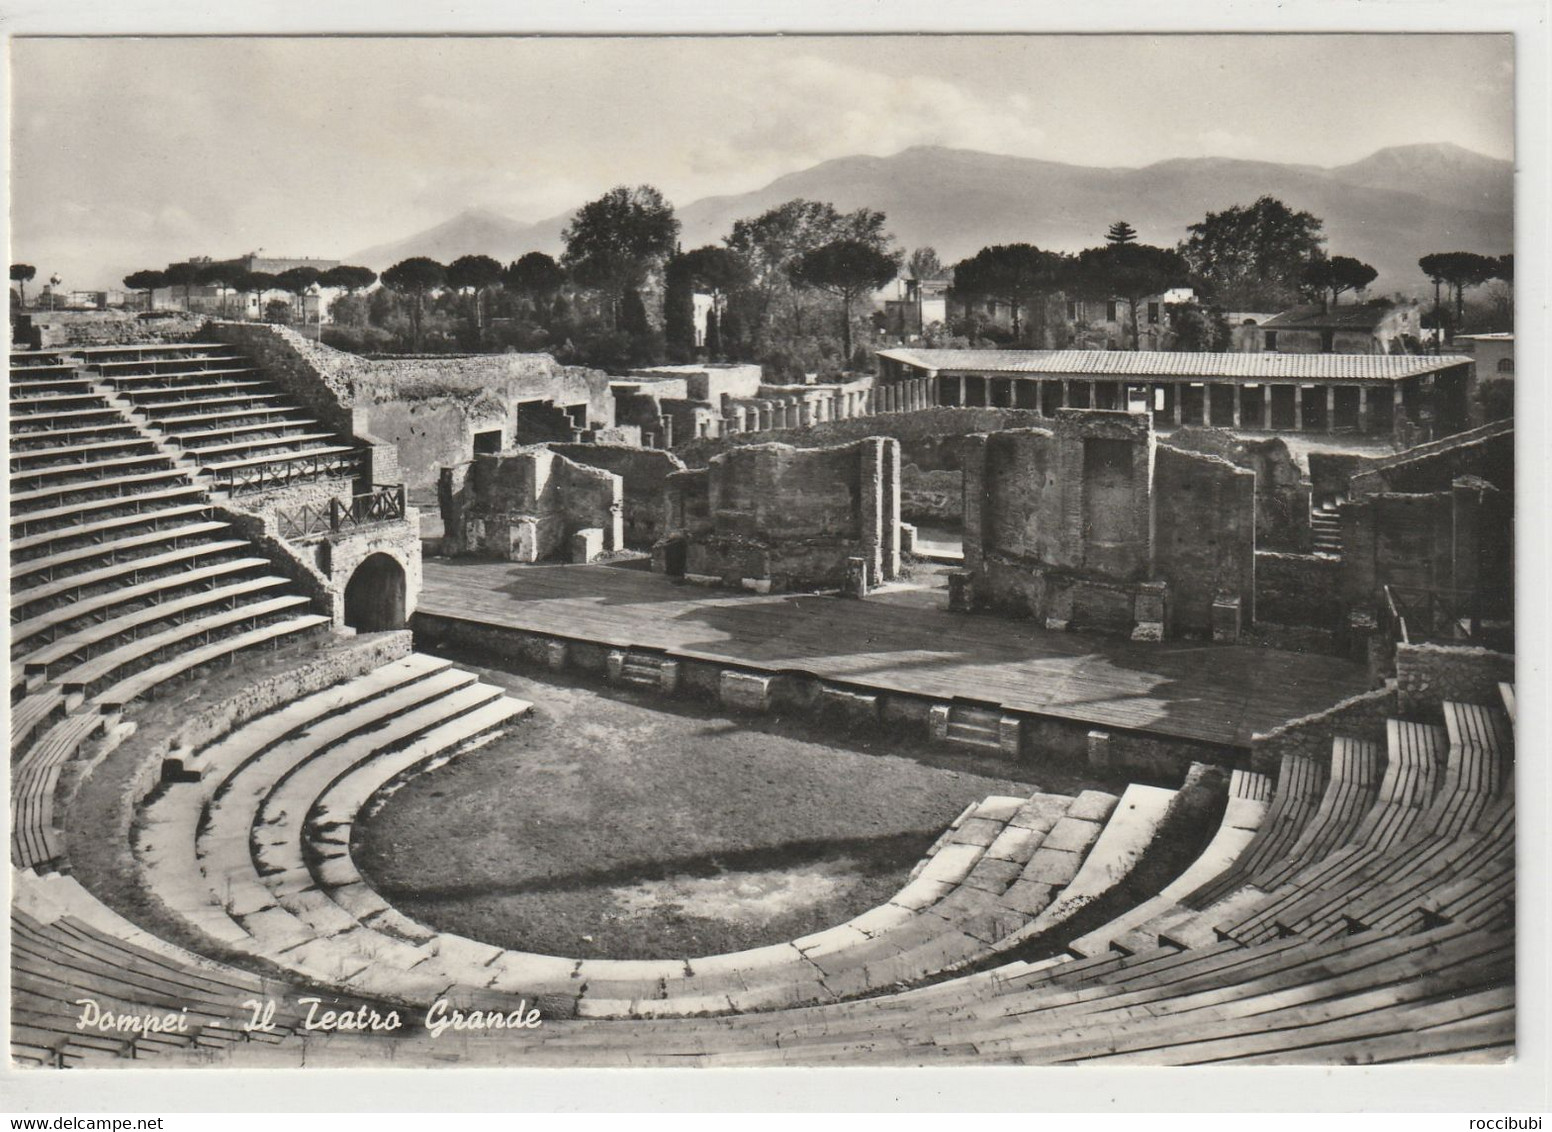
{"x":903,"y":640}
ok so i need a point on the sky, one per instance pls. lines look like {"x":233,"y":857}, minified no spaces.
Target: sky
{"x":130,"y":153}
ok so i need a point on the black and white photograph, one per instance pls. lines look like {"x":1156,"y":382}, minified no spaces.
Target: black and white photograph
{"x":751,"y":551}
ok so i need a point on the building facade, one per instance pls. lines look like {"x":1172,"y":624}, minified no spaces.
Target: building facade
{"x":1405,"y":396}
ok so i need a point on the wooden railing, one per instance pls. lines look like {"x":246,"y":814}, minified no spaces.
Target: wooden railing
{"x":1416,"y":615}
{"x":385,"y":503}
{"x":284,"y":473}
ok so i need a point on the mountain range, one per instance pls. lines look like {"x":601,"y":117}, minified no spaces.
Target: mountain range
{"x":1387,"y":209}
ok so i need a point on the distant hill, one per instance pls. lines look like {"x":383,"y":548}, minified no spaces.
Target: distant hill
{"x":1387,"y":209}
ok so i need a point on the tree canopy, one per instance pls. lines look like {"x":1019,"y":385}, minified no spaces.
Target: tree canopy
{"x":146,"y":280}
{"x":1014,"y":274}
{"x":613,"y":243}
{"x":845,"y":268}
{"x":1337,"y":275}
{"x":473,"y":272}
{"x":1128,"y":271}
{"x":1253,"y":257}
{"x":772,"y":243}
{"x":1458,"y":271}
{"x":924,"y":263}
{"x":1121,"y":233}
{"x":349,"y":278}
{"x":416,"y":277}
{"x":534,"y":274}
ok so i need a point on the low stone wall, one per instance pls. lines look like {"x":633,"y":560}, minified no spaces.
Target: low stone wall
{"x":1359,"y":717}
{"x":796,"y":694}
{"x":42,"y":329}
{"x":345,"y":661}
{"x":928,"y":437}
{"x":1427,"y":675}
{"x":1299,"y":590}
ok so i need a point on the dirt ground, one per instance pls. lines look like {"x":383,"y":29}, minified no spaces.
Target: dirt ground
{"x":622,"y":824}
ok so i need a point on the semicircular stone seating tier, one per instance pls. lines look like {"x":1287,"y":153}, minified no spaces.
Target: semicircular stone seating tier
{"x":262,"y":861}
{"x":1390,"y":937}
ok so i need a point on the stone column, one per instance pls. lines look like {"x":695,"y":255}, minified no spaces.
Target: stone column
{"x":1175,"y":399}
{"x":1237,"y":391}
{"x":1266,"y":408}
{"x":1363,"y":408}
{"x":1330,"y":408}
{"x":1066,"y":394}
{"x":1207,"y":400}
{"x":1398,"y":409}
{"x":1298,"y":408}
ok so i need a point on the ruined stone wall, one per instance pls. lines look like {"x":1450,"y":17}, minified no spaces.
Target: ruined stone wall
{"x":931,"y":475}
{"x":427,"y":408}
{"x":1300,"y":589}
{"x":526,"y":505}
{"x":1486,"y":452}
{"x":1427,"y":675}
{"x":1282,"y":489}
{"x":708,"y":382}
{"x":1205,"y":536}
{"x":1399,"y":540}
{"x":644,"y":473}
{"x":771,"y":516}
{"x":437,"y":431}
{"x":42,"y":329}
{"x":1331,"y":473}
{"x":1359,"y":717}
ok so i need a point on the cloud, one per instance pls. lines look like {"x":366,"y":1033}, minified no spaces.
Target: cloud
{"x":1223,"y":143}
{"x":794,"y":112}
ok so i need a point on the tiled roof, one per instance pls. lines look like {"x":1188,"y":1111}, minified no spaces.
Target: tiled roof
{"x":1353,"y":316}
{"x":1147,"y":363}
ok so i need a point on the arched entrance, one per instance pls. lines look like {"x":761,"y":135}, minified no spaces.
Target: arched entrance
{"x":374,"y":596}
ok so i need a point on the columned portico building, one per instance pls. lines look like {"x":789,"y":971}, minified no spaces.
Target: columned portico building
{"x":1416,"y":396}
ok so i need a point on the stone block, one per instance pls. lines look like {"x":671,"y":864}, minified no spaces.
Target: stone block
{"x":937,"y":722}
{"x":745,"y":691}
{"x":856,"y":578}
{"x":703,"y":579}
{"x":907,"y":538}
{"x":1150,"y":611}
{"x":1099,"y":751}
{"x":668,"y":676}
{"x":1226,"y":619}
{"x":961,"y":591}
{"x":556,"y":654}
{"x":587,"y":544}
{"x":615,"y":665}
{"x":852,"y":708}
{"x":756,"y":585}
{"x":1009,"y":735}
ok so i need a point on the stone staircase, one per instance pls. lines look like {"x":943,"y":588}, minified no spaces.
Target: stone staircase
{"x":643,"y":669}
{"x":1326,"y":524}
{"x":971,"y":726}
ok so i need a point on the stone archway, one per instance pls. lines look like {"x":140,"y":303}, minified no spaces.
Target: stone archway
{"x":375,"y":595}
